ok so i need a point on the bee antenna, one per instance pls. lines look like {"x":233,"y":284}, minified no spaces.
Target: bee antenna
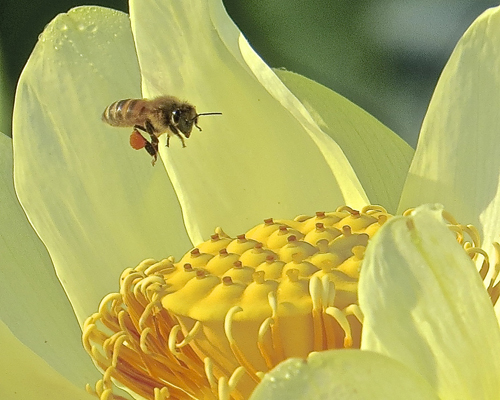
{"x":197,"y":115}
{"x":211,"y":113}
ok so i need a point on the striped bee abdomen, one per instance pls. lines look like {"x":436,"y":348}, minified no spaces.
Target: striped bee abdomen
{"x":128,"y":112}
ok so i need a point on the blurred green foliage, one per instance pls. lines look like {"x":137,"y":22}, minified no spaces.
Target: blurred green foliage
{"x":384,"y":55}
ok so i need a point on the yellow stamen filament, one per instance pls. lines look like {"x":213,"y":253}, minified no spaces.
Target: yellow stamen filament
{"x":191,"y":335}
{"x":240,"y":356}
{"x":263,"y":329}
{"x":341,"y":318}
{"x":209,"y":365}
{"x":224,"y":391}
{"x":161,"y":394}
{"x":354,"y":309}
{"x":235,"y":378}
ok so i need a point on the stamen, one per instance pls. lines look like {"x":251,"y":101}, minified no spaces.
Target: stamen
{"x":116,"y":349}
{"x":224,"y":390}
{"x":209,"y":372}
{"x":142,"y":341}
{"x":355,"y":310}
{"x":191,"y":335}
{"x":373,"y":209}
{"x":161,"y":394}
{"x":263,"y":329}
{"x":235,"y":377}
{"x":315,"y":289}
{"x":275,"y":328}
{"x":344,"y":324}
{"x":485,"y":266}
{"x":172,"y":339}
{"x":164,"y":267}
{"x":228,"y":321}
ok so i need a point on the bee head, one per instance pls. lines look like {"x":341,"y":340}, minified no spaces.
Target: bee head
{"x":183,"y":118}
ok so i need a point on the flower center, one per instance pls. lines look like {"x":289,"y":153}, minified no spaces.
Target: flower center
{"x":210,"y":325}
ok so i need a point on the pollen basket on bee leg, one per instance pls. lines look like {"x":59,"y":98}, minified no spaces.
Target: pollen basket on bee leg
{"x":137,"y":141}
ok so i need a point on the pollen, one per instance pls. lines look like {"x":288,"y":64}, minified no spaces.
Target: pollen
{"x":137,"y":141}
{"x":210,"y":325}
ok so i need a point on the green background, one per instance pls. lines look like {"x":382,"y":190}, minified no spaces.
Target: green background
{"x":384,"y":55}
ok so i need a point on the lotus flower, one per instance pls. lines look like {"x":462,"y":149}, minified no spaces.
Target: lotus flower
{"x":284,"y":146}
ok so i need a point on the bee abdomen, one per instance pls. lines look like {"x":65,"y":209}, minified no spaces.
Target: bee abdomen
{"x":123,"y":112}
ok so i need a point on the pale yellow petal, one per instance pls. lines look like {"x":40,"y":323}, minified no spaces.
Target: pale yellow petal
{"x":265,"y":155}
{"x":343,"y":374}
{"x":380,"y":157}
{"x":24,"y":375}
{"x":425,"y":305}
{"x":457,"y":161}
{"x":33,"y":303}
{"x":98,"y":205}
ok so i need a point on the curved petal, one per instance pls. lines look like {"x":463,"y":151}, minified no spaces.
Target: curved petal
{"x":415,"y":273}
{"x":98,"y":206}
{"x":34,"y":305}
{"x":343,"y":374}
{"x":265,"y":156}
{"x":457,"y":161}
{"x":26,"y":376}
{"x":380,"y":157}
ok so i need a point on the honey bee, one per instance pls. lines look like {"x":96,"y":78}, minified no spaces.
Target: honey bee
{"x":165,"y":114}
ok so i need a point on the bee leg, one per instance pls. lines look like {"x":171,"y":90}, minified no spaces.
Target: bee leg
{"x":175,"y":131}
{"x":154,"y":139}
{"x":151,"y":148}
{"x":168,"y":140}
{"x":153,"y":152}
